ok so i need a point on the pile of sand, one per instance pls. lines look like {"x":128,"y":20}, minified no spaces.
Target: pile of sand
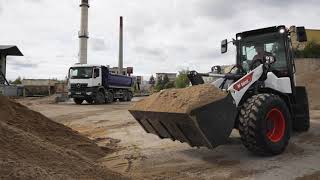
{"x":180,"y":100}
{"x":34,"y":147}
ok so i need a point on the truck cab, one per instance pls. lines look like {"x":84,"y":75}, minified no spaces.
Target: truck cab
{"x":96,"y":84}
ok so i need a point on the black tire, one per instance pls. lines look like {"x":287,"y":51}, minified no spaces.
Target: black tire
{"x":100,"y":98}
{"x":125,"y":97}
{"x":301,"y":122}
{"x":110,"y":98}
{"x":258,"y":115}
{"x":89,"y":101}
{"x":78,"y":101}
{"x":130,"y":96}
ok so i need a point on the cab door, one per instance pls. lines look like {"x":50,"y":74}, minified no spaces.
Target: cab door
{"x":97,"y":77}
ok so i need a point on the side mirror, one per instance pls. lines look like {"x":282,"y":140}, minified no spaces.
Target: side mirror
{"x":96,"y":73}
{"x":224,"y":46}
{"x":301,"y":34}
{"x":269,"y":59}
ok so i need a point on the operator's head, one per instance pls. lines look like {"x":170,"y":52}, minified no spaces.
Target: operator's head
{"x":259,"y":48}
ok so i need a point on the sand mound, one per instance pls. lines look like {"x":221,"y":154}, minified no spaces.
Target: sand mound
{"x":180,"y":100}
{"x":34,"y":147}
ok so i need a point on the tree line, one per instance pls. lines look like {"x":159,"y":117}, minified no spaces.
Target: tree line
{"x":164,"y":82}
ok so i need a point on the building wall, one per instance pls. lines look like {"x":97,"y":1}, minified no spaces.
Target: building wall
{"x":61,"y":88}
{"x":116,"y":70}
{"x":308,"y":70}
{"x":313,"y":35}
{"x":38,"y":82}
{"x":171,"y":76}
{"x":10,"y":90}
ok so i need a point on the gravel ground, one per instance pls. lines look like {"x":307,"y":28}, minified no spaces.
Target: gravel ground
{"x":139,"y":155}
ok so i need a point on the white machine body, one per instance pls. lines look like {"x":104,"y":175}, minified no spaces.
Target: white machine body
{"x":240,"y":87}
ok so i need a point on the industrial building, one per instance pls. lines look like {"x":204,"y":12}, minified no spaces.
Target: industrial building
{"x":39,"y":87}
{"x":172,"y":76}
{"x":5,"y":88}
{"x":313,"y":35}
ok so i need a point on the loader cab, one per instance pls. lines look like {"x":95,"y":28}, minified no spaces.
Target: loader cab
{"x":274,"y":41}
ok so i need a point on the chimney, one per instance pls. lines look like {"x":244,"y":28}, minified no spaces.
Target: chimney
{"x":120,"y":65}
{"x":83,"y":33}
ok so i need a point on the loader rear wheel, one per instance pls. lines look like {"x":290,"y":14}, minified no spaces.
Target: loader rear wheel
{"x":265,"y":124}
{"x":302,"y":116}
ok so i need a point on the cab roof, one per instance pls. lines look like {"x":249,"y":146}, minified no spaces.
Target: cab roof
{"x":86,"y":65}
{"x":260,"y":31}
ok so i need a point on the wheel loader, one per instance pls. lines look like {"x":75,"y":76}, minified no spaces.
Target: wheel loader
{"x":263,"y":102}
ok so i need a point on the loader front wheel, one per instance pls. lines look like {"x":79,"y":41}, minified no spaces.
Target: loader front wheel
{"x":265,"y":124}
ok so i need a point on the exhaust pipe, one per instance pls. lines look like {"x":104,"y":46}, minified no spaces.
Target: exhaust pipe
{"x":120,"y":63}
{"x":83,"y":33}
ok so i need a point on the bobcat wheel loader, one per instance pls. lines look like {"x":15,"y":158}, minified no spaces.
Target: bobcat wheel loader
{"x":263,"y":102}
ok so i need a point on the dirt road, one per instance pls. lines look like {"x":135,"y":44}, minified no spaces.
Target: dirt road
{"x":144,"y":156}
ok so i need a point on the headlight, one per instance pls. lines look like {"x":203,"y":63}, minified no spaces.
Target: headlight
{"x":282,"y":30}
{"x":89,"y":93}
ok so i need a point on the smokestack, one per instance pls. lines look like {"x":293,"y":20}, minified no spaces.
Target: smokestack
{"x":83,"y":33}
{"x":121,"y":46}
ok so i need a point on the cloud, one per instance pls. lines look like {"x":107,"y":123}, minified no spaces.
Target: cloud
{"x":159,"y":36}
{"x":97,"y":44}
{"x":19,"y":63}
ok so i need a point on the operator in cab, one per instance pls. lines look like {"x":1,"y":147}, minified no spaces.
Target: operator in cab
{"x":259,"y":48}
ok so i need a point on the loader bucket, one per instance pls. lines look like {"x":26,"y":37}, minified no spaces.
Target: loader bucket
{"x":207,"y":126}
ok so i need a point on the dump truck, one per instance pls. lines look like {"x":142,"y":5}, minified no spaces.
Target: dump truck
{"x":97,"y":84}
{"x":261,"y":98}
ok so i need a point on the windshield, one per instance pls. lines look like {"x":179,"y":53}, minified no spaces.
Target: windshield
{"x":80,"y":72}
{"x":255,"y":47}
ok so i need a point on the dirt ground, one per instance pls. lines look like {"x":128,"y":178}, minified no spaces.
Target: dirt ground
{"x":144,"y":156}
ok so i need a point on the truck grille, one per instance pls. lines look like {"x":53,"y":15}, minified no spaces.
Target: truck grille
{"x":78,"y":86}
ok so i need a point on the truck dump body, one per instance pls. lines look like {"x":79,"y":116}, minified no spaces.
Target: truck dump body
{"x":115,"y":80}
{"x":196,"y":121}
{"x":119,"y":80}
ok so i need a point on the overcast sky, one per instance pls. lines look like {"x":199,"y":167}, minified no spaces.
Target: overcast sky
{"x":160,"y":36}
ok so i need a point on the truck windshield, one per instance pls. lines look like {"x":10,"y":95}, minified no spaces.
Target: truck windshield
{"x":80,"y":72}
{"x":255,"y":47}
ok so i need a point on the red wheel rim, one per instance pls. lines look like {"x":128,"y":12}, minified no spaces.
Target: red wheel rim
{"x":275,"y":125}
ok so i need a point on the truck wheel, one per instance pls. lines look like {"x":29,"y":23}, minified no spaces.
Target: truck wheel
{"x":129,"y":96}
{"x":78,"y":101}
{"x":125,"y":97}
{"x":265,"y":124}
{"x":110,"y":97}
{"x":89,"y":101}
{"x":301,"y":122}
{"x":100,"y":98}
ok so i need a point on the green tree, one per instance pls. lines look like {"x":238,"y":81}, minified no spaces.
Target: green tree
{"x":311,"y":50}
{"x":17,"y":81}
{"x":167,"y":83}
{"x":182,"y":80}
{"x":165,"y":80}
{"x":159,"y":84}
{"x":151,"y":80}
